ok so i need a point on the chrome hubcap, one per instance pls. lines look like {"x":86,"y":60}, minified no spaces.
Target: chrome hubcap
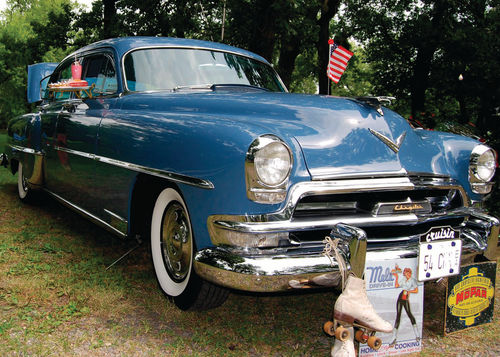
{"x":176,"y":241}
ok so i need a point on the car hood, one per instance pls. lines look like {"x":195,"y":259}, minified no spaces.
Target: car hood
{"x":337,"y":136}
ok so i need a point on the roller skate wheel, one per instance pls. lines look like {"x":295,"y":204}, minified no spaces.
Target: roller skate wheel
{"x":374,"y":342}
{"x":361,"y":336}
{"x":341,"y":333}
{"x":329,"y":328}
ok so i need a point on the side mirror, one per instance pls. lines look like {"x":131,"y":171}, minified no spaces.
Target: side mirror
{"x":38,"y":77}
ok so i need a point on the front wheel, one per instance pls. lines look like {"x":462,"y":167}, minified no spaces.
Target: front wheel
{"x":172,"y":250}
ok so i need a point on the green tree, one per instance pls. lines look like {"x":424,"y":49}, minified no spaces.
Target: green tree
{"x":30,"y":31}
{"x":419,"y":49}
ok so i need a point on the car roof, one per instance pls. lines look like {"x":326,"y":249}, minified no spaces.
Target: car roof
{"x":123,"y":45}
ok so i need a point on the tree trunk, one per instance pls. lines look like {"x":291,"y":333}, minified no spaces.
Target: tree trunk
{"x":109,"y":22}
{"x":425,"y":53}
{"x":328,"y":10}
{"x":286,"y":64}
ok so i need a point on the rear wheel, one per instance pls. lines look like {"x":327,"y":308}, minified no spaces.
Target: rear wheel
{"x":24,"y":191}
{"x":172,"y":250}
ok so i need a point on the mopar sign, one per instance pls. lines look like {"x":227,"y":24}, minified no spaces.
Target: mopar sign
{"x":470,"y":297}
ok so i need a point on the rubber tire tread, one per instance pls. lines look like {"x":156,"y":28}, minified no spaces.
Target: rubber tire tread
{"x":203,"y":296}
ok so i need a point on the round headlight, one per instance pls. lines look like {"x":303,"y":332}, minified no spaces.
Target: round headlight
{"x":273,"y":163}
{"x":482,"y":163}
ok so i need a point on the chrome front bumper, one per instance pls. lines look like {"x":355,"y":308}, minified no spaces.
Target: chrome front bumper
{"x":238,"y":268}
{"x":268,"y":273}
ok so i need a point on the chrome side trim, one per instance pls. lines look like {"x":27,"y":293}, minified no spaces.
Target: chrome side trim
{"x":87,"y":214}
{"x":26,"y":150}
{"x":116,"y":221}
{"x":115,"y":215}
{"x":188,"y":180}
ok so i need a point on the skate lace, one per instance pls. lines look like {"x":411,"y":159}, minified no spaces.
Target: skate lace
{"x":331,"y":250}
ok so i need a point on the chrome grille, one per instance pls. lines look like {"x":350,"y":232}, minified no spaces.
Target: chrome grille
{"x":365,"y":203}
{"x":431,"y":200}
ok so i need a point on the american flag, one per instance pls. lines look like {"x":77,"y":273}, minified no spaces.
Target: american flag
{"x":339,"y":57}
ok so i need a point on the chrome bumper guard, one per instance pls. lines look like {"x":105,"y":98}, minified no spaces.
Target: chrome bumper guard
{"x":236,"y":267}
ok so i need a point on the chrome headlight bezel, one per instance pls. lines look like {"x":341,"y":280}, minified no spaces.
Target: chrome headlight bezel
{"x":482,"y":166}
{"x":261,"y":153}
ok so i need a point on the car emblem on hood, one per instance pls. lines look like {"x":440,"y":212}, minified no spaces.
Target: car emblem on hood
{"x":394,"y":146}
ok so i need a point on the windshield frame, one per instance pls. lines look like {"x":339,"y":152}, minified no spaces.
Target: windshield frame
{"x":124,"y":77}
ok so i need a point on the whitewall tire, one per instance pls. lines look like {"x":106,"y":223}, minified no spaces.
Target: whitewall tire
{"x":172,"y":248}
{"x":23,"y":189}
{"x":171,"y":242}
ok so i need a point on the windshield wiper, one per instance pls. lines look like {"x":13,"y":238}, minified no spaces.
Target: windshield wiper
{"x":238,"y":87}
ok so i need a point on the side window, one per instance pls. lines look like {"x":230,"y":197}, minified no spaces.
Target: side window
{"x":100,"y":72}
{"x":61,"y":75}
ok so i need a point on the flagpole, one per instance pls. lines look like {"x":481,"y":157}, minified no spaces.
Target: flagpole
{"x":330,"y":44}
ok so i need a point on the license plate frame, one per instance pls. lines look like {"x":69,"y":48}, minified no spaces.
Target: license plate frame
{"x":439,"y":253}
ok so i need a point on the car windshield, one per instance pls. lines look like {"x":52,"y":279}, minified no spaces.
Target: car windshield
{"x":180,"y":68}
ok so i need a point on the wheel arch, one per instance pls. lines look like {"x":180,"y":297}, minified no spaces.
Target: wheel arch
{"x":143,"y":196}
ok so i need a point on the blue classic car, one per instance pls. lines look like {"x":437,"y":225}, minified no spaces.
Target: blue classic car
{"x":199,"y":148}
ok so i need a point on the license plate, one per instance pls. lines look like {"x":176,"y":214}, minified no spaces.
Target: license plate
{"x":438,"y":257}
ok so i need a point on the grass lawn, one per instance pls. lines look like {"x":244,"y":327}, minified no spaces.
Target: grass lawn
{"x":57,"y":298}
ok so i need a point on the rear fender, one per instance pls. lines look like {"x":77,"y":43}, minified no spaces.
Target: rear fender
{"x":23,"y":147}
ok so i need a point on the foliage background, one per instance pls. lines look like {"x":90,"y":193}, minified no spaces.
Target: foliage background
{"x":439,"y":58}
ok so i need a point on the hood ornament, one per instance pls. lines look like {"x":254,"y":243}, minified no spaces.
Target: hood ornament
{"x":394,"y":146}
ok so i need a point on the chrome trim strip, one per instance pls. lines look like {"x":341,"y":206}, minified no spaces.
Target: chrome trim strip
{"x":87,"y":214}
{"x":308,"y":225}
{"x":400,"y":173}
{"x":26,"y":150}
{"x":114,"y":215}
{"x":188,"y":180}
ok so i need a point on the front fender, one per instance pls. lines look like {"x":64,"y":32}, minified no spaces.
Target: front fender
{"x":456,"y":151}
